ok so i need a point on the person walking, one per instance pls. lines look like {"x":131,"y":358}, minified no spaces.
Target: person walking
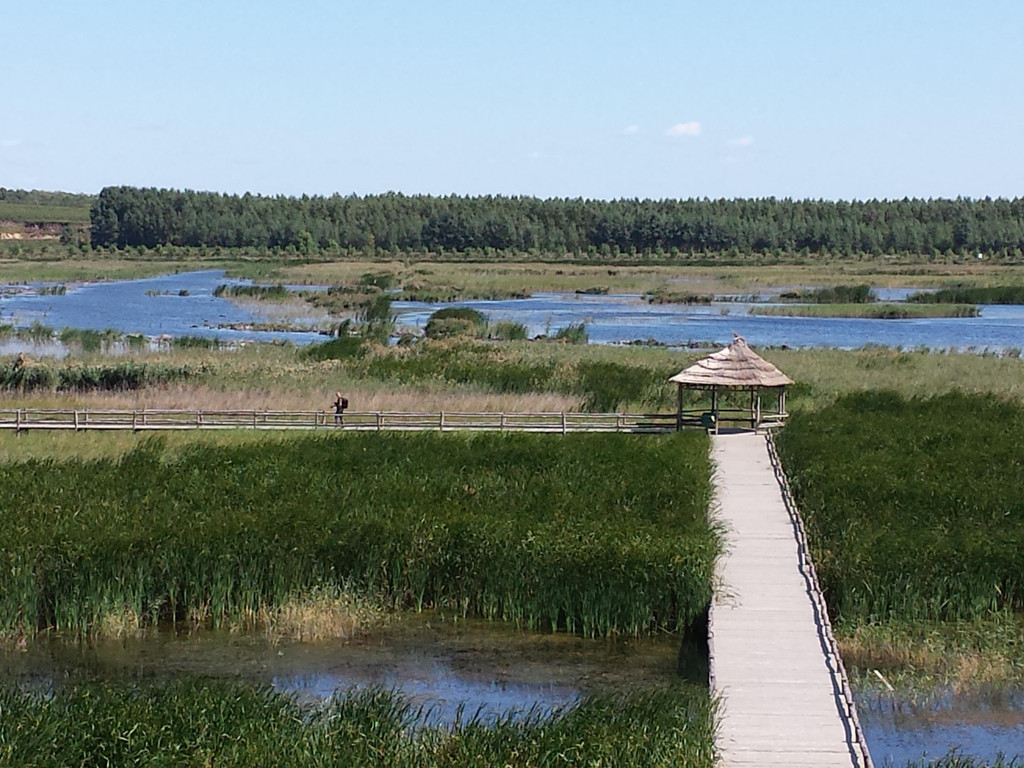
{"x":340,"y":404}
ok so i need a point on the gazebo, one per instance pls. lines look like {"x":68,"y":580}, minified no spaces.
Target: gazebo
{"x":737,"y":368}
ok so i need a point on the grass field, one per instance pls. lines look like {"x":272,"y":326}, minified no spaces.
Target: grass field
{"x":44,"y":214}
{"x":916,"y":525}
{"x":594,"y":534}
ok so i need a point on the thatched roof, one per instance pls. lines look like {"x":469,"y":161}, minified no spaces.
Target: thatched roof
{"x":735,"y":366}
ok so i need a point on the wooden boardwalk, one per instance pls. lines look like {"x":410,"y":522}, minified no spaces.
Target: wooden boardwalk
{"x":783,"y":695}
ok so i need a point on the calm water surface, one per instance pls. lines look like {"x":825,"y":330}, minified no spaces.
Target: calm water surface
{"x":184,"y":305}
{"x":472,"y":666}
{"x":445,"y":668}
{"x":983,"y":725}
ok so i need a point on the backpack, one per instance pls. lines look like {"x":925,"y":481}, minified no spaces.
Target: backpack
{"x":344,"y":403}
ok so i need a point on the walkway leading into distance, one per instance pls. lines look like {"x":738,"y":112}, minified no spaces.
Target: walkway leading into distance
{"x":779,"y":684}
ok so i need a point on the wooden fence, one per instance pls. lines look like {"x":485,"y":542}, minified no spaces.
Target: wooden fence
{"x":24,"y":419}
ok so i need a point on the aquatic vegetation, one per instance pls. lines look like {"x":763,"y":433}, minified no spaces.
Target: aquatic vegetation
{"x":262,"y":292}
{"x":888,"y":311}
{"x":456,"y":321}
{"x":89,"y":340}
{"x":833,"y":294}
{"x":194,"y":722}
{"x":971,"y":294}
{"x":913,"y":507}
{"x":956,"y":759}
{"x":663,"y":296}
{"x":30,"y":376}
{"x":195,"y":342}
{"x":573,"y":333}
{"x":507,"y":330}
{"x":594,"y":534}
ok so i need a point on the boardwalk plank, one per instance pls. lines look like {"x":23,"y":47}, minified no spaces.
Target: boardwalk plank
{"x":780,"y":698}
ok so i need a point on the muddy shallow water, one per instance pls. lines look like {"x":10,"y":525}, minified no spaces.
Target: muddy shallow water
{"x":471,"y":666}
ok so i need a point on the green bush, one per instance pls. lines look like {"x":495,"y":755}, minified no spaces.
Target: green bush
{"x":455,"y":321}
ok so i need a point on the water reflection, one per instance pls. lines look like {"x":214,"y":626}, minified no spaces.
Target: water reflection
{"x":472,"y":667}
{"x":184,"y":305}
{"x":170,"y":305}
{"x":983,"y":725}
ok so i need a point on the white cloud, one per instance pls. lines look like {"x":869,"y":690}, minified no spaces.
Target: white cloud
{"x":631,"y":129}
{"x":9,"y":143}
{"x":746,"y":141}
{"x":691,"y":128}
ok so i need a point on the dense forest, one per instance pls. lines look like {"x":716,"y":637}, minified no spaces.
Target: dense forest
{"x":395,"y":223}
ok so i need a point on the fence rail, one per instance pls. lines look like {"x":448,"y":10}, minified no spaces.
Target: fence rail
{"x":856,"y":732}
{"x":24,"y":419}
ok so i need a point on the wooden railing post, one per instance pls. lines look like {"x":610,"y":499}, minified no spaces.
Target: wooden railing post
{"x":563,"y":422}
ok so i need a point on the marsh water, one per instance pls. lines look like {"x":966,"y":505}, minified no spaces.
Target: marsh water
{"x":983,"y":724}
{"x":468,"y":666}
{"x":487,"y":670}
{"x":447,"y":670}
{"x":184,"y":305}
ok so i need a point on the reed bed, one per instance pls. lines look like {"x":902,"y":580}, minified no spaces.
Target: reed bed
{"x":972,"y":294}
{"x":192,"y":722}
{"x":21,"y":376}
{"x":868,"y":311}
{"x":594,"y":534}
{"x":913,"y":506}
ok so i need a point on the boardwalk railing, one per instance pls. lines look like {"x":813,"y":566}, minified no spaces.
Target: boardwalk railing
{"x":24,"y":419}
{"x":857,"y":739}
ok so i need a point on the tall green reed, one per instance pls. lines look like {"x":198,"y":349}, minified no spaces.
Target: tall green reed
{"x":597,"y":534}
{"x":913,"y":506}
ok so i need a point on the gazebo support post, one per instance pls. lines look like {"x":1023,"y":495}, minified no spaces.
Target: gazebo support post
{"x":714,"y":406}
{"x":679,"y":408}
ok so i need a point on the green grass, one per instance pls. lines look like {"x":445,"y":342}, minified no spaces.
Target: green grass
{"x":913,"y":507}
{"x":594,"y":534}
{"x":191,"y":722}
{"x":44,"y":214}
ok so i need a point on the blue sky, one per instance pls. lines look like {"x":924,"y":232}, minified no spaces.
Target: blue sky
{"x":590,"y":99}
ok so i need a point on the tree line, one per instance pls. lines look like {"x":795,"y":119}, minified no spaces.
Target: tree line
{"x":131,"y":217}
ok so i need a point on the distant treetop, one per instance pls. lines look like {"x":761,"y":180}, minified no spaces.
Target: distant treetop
{"x":396,"y":223}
